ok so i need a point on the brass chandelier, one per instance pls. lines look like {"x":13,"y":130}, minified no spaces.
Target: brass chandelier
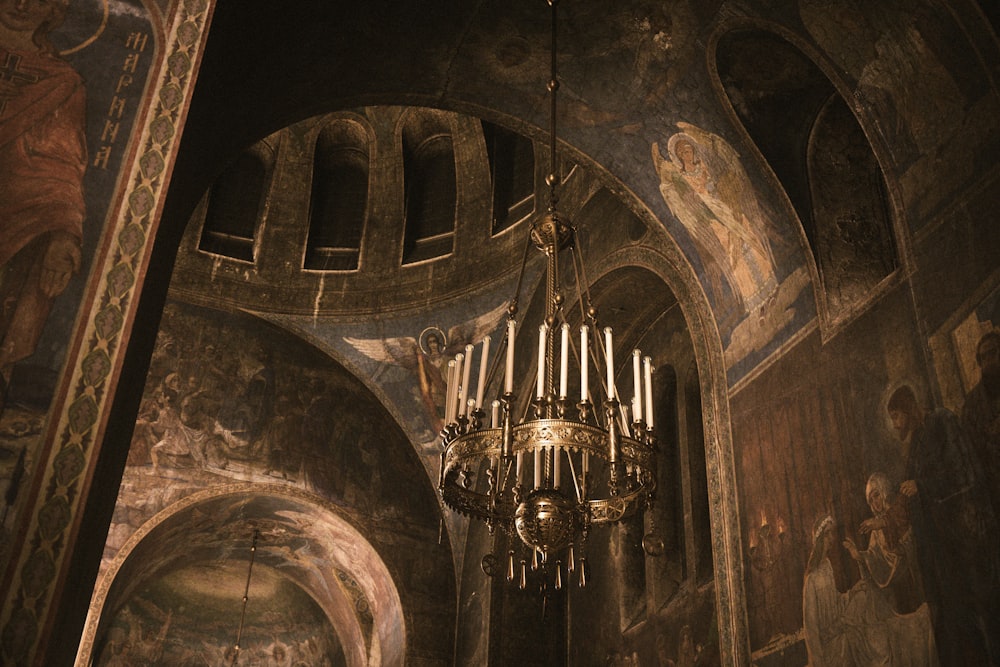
{"x":570,"y":460}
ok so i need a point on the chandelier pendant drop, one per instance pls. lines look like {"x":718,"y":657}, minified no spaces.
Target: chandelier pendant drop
{"x":574,"y":457}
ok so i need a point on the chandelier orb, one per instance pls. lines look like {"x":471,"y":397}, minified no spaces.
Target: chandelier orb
{"x":547,"y":520}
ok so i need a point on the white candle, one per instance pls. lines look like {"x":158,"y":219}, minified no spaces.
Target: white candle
{"x":449,"y":400}
{"x":538,"y":467}
{"x":564,"y":367}
{"x":508,"y":385}
{"x":456,"y":399}
{"x":520,"y":466}
{"x":495,"y":414}
{"x":584,"y":362}
{"x":636,"y":386}
{"x":648,"y":368}
{"x":556,"y":472}
{"x":609,"y":356}
{"x":542,"y":335}
{"x":481,"y":384}
{"x":464,"y":397}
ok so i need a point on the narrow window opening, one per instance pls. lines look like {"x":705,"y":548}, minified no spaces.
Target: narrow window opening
{"x":512,"y":173}
{"x":339,"y":199}
{"x":235,"y":200}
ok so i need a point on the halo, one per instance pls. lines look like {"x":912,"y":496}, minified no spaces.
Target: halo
{"x":426,"y":333}
{"x":92,"y":38}
{"x":918,"y":392}
{"x":672,"y":146}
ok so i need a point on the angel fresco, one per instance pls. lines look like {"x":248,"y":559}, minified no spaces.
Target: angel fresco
{"x":427,"y":355}
{"x":704,"y":185}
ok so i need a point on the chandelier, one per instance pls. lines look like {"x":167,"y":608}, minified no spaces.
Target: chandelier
{"x":564,"y":463}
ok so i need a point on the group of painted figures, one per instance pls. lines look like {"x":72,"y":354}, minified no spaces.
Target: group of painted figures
{"x":928,"y":591}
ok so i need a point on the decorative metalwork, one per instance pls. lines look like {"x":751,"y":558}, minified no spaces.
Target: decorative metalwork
{"x":565,"y":464}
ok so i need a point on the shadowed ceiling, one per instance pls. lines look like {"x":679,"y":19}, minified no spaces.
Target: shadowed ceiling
{"x":280,"y":74}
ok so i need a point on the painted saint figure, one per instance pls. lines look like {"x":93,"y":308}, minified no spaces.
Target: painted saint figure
{"x":838,"y":626}
{"x":43,"y":156}
{"x":704,"y":185}
{"x":981,"y":413}
{"x":858,"y":627}
{"x":954,"y":529}
{"x":427,"y":355}
{"x":890,"y":560}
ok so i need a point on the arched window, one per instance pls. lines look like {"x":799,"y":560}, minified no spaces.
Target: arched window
{"x":852,"y":233}
{"x":235,"y":201}
{"x":430,"y":187}
{"x":815,"y":146}
{"x":339,"y":198}
{"x":512,"y":174}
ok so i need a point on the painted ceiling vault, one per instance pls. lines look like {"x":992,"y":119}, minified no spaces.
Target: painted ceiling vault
{"x":228,"y":417}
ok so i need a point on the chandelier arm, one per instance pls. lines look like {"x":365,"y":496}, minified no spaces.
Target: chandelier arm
{"x":613,"y":510}
{"x":582,"y":282}
{"x":512,"y":309}
{"x":576,"y":483}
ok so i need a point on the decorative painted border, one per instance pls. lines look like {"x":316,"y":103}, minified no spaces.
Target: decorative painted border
{"x":81,"y":416}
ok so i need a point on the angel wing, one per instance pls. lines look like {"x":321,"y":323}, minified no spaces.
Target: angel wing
{"x":733,"y":187}
{"x":401,"y":351}
{"x":472,"y":332}
{"x":686,"y":205}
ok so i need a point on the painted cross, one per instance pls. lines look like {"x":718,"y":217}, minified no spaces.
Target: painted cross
{"x":10,"y":72}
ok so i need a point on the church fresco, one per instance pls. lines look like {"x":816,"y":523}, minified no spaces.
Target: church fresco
{"x":846,"y":558}
{"x":426,"y":356}
{"x":928,"y":108}
{"x":810,"y":465}
{"x":706,"y":188}
{"x":72,"y":76}
{"x":226,"y":403}
{"x":192,"y":617}
{"x":223,"y":402}
{"x":70,"y":105}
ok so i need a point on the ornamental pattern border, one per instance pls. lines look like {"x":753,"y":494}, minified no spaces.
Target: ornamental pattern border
{"x":111,"y":313}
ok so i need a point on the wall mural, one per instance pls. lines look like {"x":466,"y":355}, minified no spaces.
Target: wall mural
{"x":967,"y":354}
{"x":222,"y":403}
{"x":427,"y":357}
{"x":72,"y":74}
{"x":706,"y":188}
{"x":903,"y":69}
{"x":887,"y":552}
{"x":191,"y":617}
{"x":230,"y":398}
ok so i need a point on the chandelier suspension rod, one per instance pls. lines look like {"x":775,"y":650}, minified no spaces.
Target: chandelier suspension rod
{"x":553,"y":179}
{"x":246,"y":597}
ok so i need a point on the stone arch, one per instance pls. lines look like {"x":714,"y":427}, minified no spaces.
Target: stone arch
{"x":304,"y":539}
